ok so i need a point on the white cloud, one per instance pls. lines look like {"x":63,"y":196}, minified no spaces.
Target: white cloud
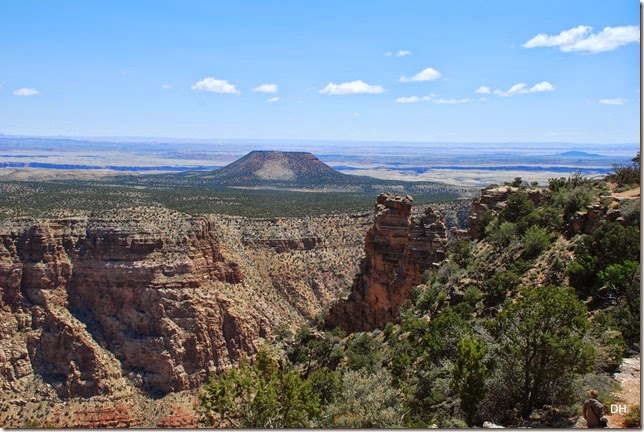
{"x":399,"y":53}
{"x":543,"y":86}
{"x":213,"y":85}
{"x":353,"y":87}
{"x":273,"y":99}
{"x":266,"y":88}
{"x":166,"y":86}
{"x":617,"y":101}
{"x":408,"y":99}
{"x":450,"y":101}
{"x":424,"y":75}
{"x":564,"y":39}
{"x":26,"y":92}
{"x":581,"y":39}
{"x":520,"y":88}
{"x":356,"y":114}
{"x":517,"y":88}
{"x":413,"y":99}
{"x":483,"y":90}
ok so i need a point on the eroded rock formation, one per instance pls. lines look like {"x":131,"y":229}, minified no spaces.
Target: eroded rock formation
{"x":155,"y":299}
{"x":398,"y":249}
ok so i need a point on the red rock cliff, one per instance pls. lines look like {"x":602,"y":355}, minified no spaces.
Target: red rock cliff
{"x":398,"y":249}
{"x":85,"y":301}
{"x":155,"y":299}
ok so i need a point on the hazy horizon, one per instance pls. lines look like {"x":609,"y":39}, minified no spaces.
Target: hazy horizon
{"x":473,"y":164}
{"x":219,"y":140}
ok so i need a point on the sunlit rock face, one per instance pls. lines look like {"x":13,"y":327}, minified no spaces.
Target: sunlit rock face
{"x":398,"y":249}
{"x":156,"y":299}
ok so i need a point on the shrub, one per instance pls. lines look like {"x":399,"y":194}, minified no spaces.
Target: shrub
{"x":367,"y":400}
{"x":617,"y":278}
{"x":545,"y":216}
{"x":534,"y":241}
{"x":469,"y":375}
{"x":581,"y":273}
{"x":517,"y":206}
{"x":460,"y":252}
{"x":483,"y":223}
{"x":574,"y":200}
{"x":625,"y":175}
{"x":497,"y":287}
{"x":363,"y":352}
{"x":431,"y":299}
{"x":556,"y":184}
{"x":633,"y":418}
{"x":631,"y":211}
{"x":540,"y":347}
{"x":612,"y":243}
{"x":605,"y":336}
{"x":472,"y":295}
{"x":261,"y":395}
{"x":503,"y":234}
{"x":627,"y":311}
{"x":327,"y":384}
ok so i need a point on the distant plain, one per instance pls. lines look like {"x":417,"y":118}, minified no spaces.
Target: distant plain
{"x":463,"y":164}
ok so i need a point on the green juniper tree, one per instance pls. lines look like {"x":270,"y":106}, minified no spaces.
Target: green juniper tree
{"x":540,"y":346}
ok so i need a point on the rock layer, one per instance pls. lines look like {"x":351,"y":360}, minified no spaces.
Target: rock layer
{"x":154,"y":299}
{"x":398,"y":249}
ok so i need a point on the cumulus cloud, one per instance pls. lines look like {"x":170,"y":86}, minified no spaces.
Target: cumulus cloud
{"x":424,"y":75}
{"x":273,"y":99}
{"x":413,"y":99}
{"x":521,"y":88}
{"x":166,"y":86}
{"x":450,"y":101}
{"x":581,"y":39}
{"x":543,"y":86}
{"x":213,"y":85}
{"x":617,"y":101}
{"x":26,"y":92}
{"x":353,"y":87}
{"x":408,"y":99}
{"x":266,"y":88}
{"x":517,"y":88}
{"x":483,"y":90}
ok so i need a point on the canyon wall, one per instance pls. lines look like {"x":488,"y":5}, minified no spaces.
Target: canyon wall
{"x":156,"y":300}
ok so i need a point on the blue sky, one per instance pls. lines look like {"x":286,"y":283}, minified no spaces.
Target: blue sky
{"x":455,"y":71}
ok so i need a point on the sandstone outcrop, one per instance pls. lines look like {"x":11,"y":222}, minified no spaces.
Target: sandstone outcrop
{"x":398,"y":249}
{"x":155,"y":299}
{"x":589,"y":220}
{"x":494,"y":199}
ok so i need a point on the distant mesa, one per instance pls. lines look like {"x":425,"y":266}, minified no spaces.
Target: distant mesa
{"x":259,"y":167}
